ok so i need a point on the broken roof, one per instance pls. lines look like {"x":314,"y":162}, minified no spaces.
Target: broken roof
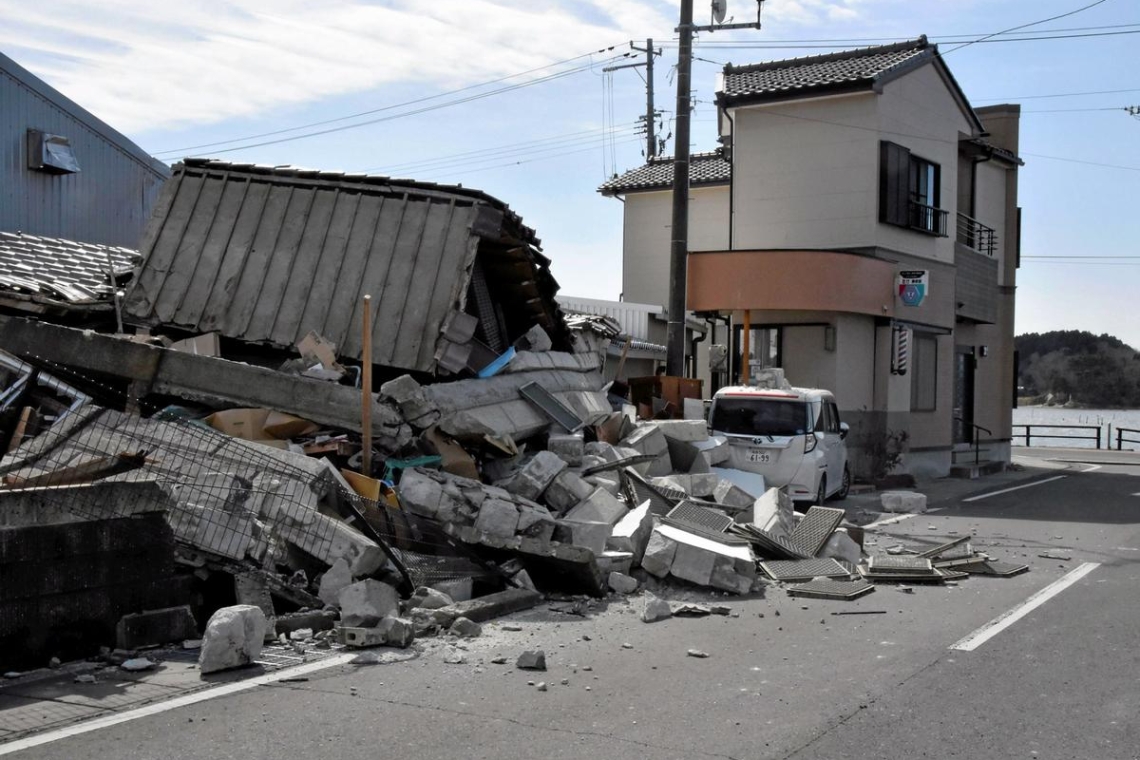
{"x":267,"y":254}
{"x":59,"y":271}
{"x":710,"y":168}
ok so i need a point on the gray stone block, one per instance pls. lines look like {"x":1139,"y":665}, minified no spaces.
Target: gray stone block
{"x":535,"y":522}
{"x":599,"y":506}
{"x":903,"y":501}
{"x":729,"y":494}
{"x":693,"y":564}
{"x":659,"y":553}
{"x":774,"y":512}
{"x":621,"y":583}
{"x":648,"y":439}
{"x":536,"y":475}
{"x":655,"y":609}
{"x":335,"y":579}
{"x":497,"y":518}
{"x":569,"y":447}
{"x":689,"y":431}
{"x":233,"y":638}
{"x":566,"y":491}
{"x":588,"y":534}
{"x":631,"y":533}
{"x":715,"y":450}
{"x":365,"y":603}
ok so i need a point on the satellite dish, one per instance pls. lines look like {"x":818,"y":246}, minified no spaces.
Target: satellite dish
{"x":719,"y":9}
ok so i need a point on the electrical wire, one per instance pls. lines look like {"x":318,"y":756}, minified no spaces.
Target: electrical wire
{"x":1075,"y":110}
{"x":732,"y":45}
{"x":1083,"y":8}
{"x":1080,"y":161}
{"x":1055,"y":95}
{"x":946,"y":37}
{"x":415,"y":101}
{"x":437,"y":178}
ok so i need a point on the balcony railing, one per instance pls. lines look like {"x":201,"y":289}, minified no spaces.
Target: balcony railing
{"x":927,"y":219}
{"x":974,"y":234}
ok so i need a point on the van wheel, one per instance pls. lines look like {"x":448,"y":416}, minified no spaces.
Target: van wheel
{"x":821,"y":494}
{"x":846,"y":487}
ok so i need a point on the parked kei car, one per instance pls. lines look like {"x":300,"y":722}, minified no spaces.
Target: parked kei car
{"x":791,"y":436}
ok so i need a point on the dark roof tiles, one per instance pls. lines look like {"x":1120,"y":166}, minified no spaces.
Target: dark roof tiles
{"x":61,"y":270}
{"x":704,"y":169}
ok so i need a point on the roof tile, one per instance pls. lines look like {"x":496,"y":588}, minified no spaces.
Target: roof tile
{"x":65,"y":270}
{"x":709,"y":168}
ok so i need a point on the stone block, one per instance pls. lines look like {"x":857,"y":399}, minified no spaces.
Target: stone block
{"x":141,"y":629}
{"x":686,"y":457}
{"x":659,"y":554}
{"x":465,"y":628}
{"x":413,"y":403}
{"x":841,"y":547}
{"x":535,"y":475}
{"x":622,"y":583}
{"x":729,"y":494}
{"x":419,"y":492}
{"x":588,"y":534}
{"x":459,"y":590}
{"x":715,"y":450}
{"x":903,"y":501}
{"x":333,"y":581}
{"x":749,"y":482}
{"x":631,"y":533}
{"x":608,"y":481}
{"x":427,"y":598}
{"x":607,"y":452}
{"x":689,"y":431}
{"x":389,"y":632}
{"x":497,"y":518}
{"x":599,"y":506}
{"x":648,"y":439}
{"x":734,"y":575}
{"x":774,"y":512}
{"x":569,"y":447}
{"x":693,"y":564}
{"x":611,"y":561}
{"x":566,"y":491}
{"x":314,"y":620}
{"x":365,"y":603}
{"x":655,"y":609}
{"x":484,"y":608}
{"x":707,"y":562}
{"x":233,"y":638}
{"x":535,"y":522}
{"x":531,"y":660}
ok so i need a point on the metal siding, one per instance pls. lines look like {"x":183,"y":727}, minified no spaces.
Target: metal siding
{"x":107,"y":202}
{"x":267,"y":260}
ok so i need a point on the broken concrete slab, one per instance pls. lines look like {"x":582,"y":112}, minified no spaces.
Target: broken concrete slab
{"x":536,"y":522}
{"x":153,"y":627}
{"x":555,"y":565}
{"x":659,"y":553}
{"x":655,"y":609}
{"x":649,"y":439}
{"x":535,"y":475}
{"x":715,"y":450}
{"x":409,"y":397}
{"x":484,"y":608}
{"x":701,"y":560}
{"x":588,"y":534}
{"x":599,"y":506}
{"x":566,"y":491}
{"x":365,"y":603}
{"x":774,"y":512}
{"x":696,"y":485}
{"x":429,"y":599}
{"x":233,"y":638}
{"x":497,"y":518}
{"x":903,"y":501}
{"x":569,"y":447}
{"x":622,"y":583}
{"x":335,"y":579}
{"x":631,"y":533}
{"x":688,"y":431}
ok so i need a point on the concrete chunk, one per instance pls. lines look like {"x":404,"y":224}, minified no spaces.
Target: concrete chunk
{"x":536,"y":475}
{"x":729,"y":494}
{"x":589,"y":534}
{"x":903,"y":501}
{"x":566,"y":491}
{"x":599,"y":506}
{"x":659,"y":554}
{"x":631,"y":534}
{"x":427,"y":598}
{"x":233,"y":638}
{"x":648,"y":439}
{"x":655,"y":609}
{"x":715,"y":450}
{"x":841,"y":547}
{"x":465,"y":628}
{"x":707,"y":562}
{"x":335,"y":579}
{"x":531,"y":660}
{"x":497,"y":518}
{"x":689,"y":431}
{"x":569,"y":447}
{"x":622,"y":583}
{"x":535,"y":522}
{"x":365,"y":603}
{"x":774,"y":512}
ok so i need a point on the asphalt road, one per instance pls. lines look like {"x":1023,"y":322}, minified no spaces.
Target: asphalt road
{"x":784,"y":679}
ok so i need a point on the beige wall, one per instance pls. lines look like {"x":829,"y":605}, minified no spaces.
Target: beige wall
{"x":647,"y":238}
{"x":990,"y":207}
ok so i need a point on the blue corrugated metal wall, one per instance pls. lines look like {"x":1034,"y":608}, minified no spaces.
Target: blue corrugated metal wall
{"x":108,"y":202}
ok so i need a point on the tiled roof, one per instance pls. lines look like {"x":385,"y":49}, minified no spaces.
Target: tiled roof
{"x":704,"y":169}
{"x":847,"y":69}
{"x":60,"y":270}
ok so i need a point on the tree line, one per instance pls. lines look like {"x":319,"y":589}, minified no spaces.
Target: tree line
{"x":1077,"y":366}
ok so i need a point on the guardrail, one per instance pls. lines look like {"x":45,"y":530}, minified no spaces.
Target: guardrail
{"x":1028,"y":435}
{"x":1121,"y":439}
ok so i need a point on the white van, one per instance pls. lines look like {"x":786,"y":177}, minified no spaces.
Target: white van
{"x":791,"y":436}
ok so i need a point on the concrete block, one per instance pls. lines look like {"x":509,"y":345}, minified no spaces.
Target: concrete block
{"x":497,"y":518}
{"x":648,"y":439}
{"x":609,"y":481}
{"x":427,"y":598}
{"x":715,"y":450}
{"x":611,"y":561}
{"x":622,"y":583}
{"x":534,"y":339}
{"x":693,"y":564}
{"x":536,"y":475}
{"x":252,"y":588}
{"x":589,"y":534}
{"x":535,"y":522}
{"x":734,"y":575}
{"x":484,"y":608}
{"x":465,"y":628}
{"x":419,"y":493}
{"x":693,"y":409}
{"x":686,"y":457}
{"x":841,"y":547}
{"x":729,"y":494}
{"x":566,"y":491}
{"x":333,"y":581}
{"x":749,"y":482}
{"x":410,"y":399}
{"x":599,"y":506}
{"x":365,"y":603}
{"x":153,"y":627}
{"x":233,"y":638}
{"x":390,"y":632}
{"x":707,"y":562}
{"x":655,"y":609}
{"x":659,"y":553}
{"x":631,"y":533}
{"x":459,"y":590}
{"x":774,"y":512}
{"x":903,"y":501}
{"x":531,"y":660}
{"x":606,"y":451}
{"x":314,"y":620}
{"x":683,"y":430}
{"x":569,"y":447}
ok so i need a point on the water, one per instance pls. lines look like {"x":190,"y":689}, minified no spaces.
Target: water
{"x":1052,"y":415}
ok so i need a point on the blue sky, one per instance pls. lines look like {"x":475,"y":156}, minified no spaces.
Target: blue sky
{"x":173,"y":76}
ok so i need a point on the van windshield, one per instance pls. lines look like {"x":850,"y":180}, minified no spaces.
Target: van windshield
{"x":760,"y":416}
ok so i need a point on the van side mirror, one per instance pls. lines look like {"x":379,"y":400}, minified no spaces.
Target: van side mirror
{"x":843,"y":428}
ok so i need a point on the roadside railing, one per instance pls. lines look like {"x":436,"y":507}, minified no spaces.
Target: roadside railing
{"x":1095,"y":433}
{"x":1122,"y":437}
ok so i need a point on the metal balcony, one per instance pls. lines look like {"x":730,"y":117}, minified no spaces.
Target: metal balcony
{"x":973,"y":234}
{"x":930,"y":219}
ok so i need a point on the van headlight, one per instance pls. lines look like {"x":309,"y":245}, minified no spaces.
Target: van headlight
{"x":810,"y":442}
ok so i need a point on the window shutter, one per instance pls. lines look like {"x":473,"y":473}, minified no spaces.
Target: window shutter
{"x":894,"y":183}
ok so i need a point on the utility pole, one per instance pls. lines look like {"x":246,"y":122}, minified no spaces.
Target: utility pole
{"x":650,"y":112}
{"x":679,"y":251}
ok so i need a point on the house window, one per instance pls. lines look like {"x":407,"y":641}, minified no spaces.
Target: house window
{"x":909,"y":194}
{"x":924,"y":373}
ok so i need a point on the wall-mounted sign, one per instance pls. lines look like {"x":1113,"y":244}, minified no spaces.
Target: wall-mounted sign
{"x":913,"y":286}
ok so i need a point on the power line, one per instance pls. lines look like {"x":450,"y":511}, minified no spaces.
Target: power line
{"x":730,"y":45}
{"x":1077,"y":256}
{"x":1087,"y":163}
{"x":1076,"y":110}
{"x":1024,"y":26}
{"x":532,"y":160}
{"x":944,"y":37}
{"x":416,"y":101}
{"x":1057,"y":95}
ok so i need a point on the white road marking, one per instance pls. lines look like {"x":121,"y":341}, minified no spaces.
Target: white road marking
{"x":1008,"y":618}
{"x":893,"y":520}
{"x":172,"y":704}
{"x":1015,"y":488}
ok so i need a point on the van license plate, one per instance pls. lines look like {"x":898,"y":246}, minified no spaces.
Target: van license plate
{"x":759,"y":455}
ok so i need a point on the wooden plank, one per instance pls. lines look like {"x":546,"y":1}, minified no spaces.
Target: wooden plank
{"x":380,"y":260}
{"x":334,"y":309}
{"x":264,"y":291}
{"x":314,"y":287}
{"x":395,"y":295}
{"x":140,"y":301}
{"x":21,"y":427}
{"x":238,"y":311}
{"x":210,"y":256}
{"x":218,"y":301}
{"x":185,"y":261}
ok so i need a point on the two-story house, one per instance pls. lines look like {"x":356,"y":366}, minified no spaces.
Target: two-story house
{"x":861,"y":219}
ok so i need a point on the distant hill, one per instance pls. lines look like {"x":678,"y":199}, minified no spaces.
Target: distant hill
{"x":1074,"y":365}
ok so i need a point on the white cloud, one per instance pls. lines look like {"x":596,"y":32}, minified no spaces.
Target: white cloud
{"x":144,"y":65}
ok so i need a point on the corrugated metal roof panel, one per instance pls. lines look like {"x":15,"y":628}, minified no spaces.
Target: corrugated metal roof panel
{"x":266,"y":255}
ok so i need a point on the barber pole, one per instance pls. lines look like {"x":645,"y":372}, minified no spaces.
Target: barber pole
{"x":901,"y":350}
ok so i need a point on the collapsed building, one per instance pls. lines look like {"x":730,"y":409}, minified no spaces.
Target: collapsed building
{"x":195,"y":433}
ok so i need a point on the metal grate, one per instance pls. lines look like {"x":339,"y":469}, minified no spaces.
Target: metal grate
{"x":900,"y":564}
{"x":690,"y":513}
{"x":936,"y":551}
{"x":815,"y":528}
{"x":990,"y":567}
{"x":829,"y":589}
{"x":768,"y":543}
{"x":661,"y":499}
{"x":803,"y":569}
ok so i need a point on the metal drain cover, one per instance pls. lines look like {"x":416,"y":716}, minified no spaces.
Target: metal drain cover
{"x":829,"y":589}
{"x":768,"y":543}
{"x":689,"y":513}
{"x":990,"y":567}
{"x":936,"y":551}
{"x":803,"y":569}
{"x":900,"y":564}
{"x":660,"y":499}
{"x":815,"y":528}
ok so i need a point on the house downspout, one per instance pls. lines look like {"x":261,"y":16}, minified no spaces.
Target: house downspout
{"x":731,"y":176}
